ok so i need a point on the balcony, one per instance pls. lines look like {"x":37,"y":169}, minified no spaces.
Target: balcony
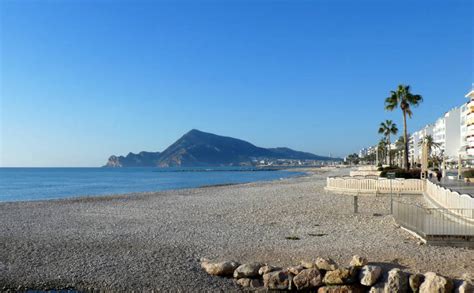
{"x":470,"y":105}
{"x":470,"y":152}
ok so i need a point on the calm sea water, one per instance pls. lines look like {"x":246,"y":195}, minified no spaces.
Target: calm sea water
{"x":20,"y":184}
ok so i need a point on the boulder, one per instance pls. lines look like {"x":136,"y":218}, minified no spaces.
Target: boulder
{"x":325,"y":264}
{"x":358,"y":261}
{"x":247,"y":270}
{"x":436,"y":283}
{"x":295,"y":270}
{"x":342,"y":289}
{"x":369,"y":275}
{"x":266,"y":269}
{"x":278,"y":280}
{"x":340,"y":276}
{"x":223,"y":269}
{"x":464,"y":286}
{"x":308,"y":279}
{"x":397,"y":281}
{"x":249,"y":283}
{"x":308,"y":264}
{"x":415,"y":281}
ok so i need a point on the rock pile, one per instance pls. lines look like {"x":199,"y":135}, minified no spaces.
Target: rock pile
{"x":325,"y":276}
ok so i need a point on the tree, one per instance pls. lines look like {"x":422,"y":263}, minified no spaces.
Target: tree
{"x":370,"y":159}
{"x":388,"y":128}
{"x":382,"y":148}
{"x":438,"y":159}
{"x":403,"y":98}
{"x":432,"y":145}
{"x":353,"y":159}
{"x":399,"y":147}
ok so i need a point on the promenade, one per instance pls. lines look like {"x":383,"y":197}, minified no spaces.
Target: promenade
{"x":456,"y":185}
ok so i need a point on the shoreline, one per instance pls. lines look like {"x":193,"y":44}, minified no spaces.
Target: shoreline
{"x":155,"y":240}
{"x":137,"y":193}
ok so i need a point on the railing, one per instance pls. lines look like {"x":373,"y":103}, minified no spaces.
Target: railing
{"x":461,"y":204}
{"x":375,"y":186}
{"x":431,"y":222}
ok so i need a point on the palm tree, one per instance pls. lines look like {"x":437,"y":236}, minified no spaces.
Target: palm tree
{"x":388,"y":128}
{"x":400,"y":146}
{"x":382,"y":148}
{"x":403,"y":98}
{"x":431,"y":144}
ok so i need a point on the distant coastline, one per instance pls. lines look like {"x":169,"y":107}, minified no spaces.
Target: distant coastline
{"x":201,"y":149}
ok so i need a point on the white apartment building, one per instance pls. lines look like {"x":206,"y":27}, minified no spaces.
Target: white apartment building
{"x":415,"y":139}
{"x":447,"y":132}
{"x":463,"y":139}
{"x":469,"y":132}
{"x":454,"y":131}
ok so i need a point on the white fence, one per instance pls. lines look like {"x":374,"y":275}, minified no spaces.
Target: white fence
{"x":359,"y":173}
{"x":375,"y":186}
{"x":446,"y":198}
{"x":460,"y":204}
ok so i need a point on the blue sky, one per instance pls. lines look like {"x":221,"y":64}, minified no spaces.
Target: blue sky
{"x":81,"y":80}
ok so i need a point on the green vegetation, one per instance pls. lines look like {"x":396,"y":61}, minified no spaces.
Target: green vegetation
{"x":468,"y":173}
{"x":388,"y":128}
{"x":401,"y":173}
{"x":431,"y":144}
{"x":382,"y":150}
{"x":353,"y":159}
{"x":402,"y":98}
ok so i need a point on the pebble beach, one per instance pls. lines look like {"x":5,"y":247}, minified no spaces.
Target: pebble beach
{"x":154,"y":241}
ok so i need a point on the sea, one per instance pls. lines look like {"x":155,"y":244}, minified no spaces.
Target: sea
{"x":27,"y":184}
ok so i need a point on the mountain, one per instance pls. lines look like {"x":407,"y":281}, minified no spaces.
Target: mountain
{"x":142,"y":159}
{"x":201,"y":149}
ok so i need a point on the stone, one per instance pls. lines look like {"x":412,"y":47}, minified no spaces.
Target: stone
{"x":358,"y":261}
{"x":308,"y":264}
{"x":249,"y":283}
{"x":464,"y":286}
{"x":436,"y":283}
{"x":223,"y":269}
{"x":308,"y":279}
{"x":326,"y":264}
{"x":340,"y":276}
{"x":378,"y":288}
{"x":295,"y":270}
{"x":247,"y":270}
{"x":244,"y":282}
{"x":369,"y":275}
{"x":266,"y":269}
{"x":397,"y":281}
{"x":342,"y":289}
{"x":415,"y":281}
{"x":278,"y":280}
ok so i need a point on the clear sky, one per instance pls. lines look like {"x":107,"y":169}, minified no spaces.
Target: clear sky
{"x":81,"y":80}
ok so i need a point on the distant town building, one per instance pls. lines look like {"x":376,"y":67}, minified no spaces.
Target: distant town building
{"x":454,"y":132}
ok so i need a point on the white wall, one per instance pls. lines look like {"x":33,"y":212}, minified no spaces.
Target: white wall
{"x":453,"y":133}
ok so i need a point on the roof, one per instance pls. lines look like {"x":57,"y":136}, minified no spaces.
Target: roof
{"x":470,"y":94}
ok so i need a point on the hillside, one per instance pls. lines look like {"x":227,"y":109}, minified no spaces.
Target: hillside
{"x":201,"y":149}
